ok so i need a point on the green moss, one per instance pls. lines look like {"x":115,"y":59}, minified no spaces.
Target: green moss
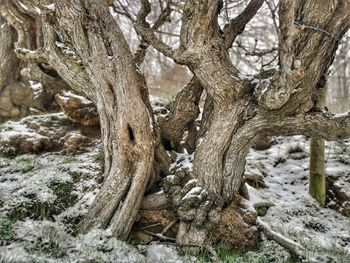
{"x":42,"y":210}
{"x":75,"y":176}
{"x":99,"y":157}
{"x":69,"y":159}
{"x":48,"y":243}
{"x":261,"y":210}
{"x":61,"y":189}
{"x":6,"y":233}
{"x":28,"y":164}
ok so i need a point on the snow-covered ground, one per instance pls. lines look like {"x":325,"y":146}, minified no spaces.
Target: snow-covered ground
{"x":43,"y":195}
{"x":324,"y":232}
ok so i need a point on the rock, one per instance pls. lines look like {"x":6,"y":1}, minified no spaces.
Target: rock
{"x":18,"y":100}
{"x":263,"y":143}
{"x":74,"y":141}
{"x":44,"y":133}
{"x":21,"y":95}
{"x":78,"y":109}
{"x":7,"y":108}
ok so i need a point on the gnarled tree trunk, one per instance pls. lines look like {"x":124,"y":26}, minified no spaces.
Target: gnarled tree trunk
{"x":86,"y":46}
{"x":243,"y":109}
{"x":10,"y":67}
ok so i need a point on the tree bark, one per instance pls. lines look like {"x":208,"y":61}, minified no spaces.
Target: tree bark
{"x":317,"y":177}
{"x":22,"y":28}
{"x":125,"y":120}
{"x":10,"y":67}
{"x":86,"y":46}
{"x":9,"y":63}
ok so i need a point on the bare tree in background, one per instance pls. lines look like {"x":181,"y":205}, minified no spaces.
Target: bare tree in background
{"x":82,"y":41}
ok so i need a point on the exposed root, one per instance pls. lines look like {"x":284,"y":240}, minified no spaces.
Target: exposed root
{"x":293,"y":247}
{"x":156,"y":201}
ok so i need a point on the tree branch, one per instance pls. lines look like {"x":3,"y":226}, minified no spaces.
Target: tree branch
{"x":143,"y":28}
{"x":314,"y":124}
{"x":162,"y":18}
{"x":17,"y":24}
{"x":237,"y":25}
{"x":275,"y":92}
{"x":286,"y":35}
{"x":185,"y":110}
{"x":69,"y":68}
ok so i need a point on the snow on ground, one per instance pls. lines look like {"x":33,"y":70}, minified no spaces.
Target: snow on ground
{"x":35,"y":182}
{"x":43,"y":196}
{"x":294,"y":213}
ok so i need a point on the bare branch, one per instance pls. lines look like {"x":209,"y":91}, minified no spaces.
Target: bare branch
{"x":286,"y":35}
{"x":16,"y":23}
{"x":163,"y":17}
{"x":70,"y":69}
{"x":184,"y":111}
{"x":237,"y":25}
{"x":143,"y":28}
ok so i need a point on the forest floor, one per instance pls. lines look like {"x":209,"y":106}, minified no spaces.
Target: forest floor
{"x":43,"y":195}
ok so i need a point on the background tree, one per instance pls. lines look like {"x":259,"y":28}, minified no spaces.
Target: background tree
{"x":317,"y":178}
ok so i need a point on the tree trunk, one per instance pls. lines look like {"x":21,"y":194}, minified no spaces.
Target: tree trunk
{"x":236,"y":120}
{"x":21,"y":28}
{"x":221,"y":151}
{"x":86,"y":46}
{"x":317,"y":178}
{"x":9,"y":63}
{"x":10,"y":67}
{"x":103,"y":68}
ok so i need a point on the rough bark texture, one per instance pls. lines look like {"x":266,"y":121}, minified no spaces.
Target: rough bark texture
{"x":85,"y":45}
{"x":184,"y":111}
{"x":280,"y":105}
{"x":98,"y":63}
{"x":21,"y":28}
{"x":125,"y":120}
{"x":9,"y":69}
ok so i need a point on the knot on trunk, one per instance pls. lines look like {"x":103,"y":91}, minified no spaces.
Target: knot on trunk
{"x":192,"y":202}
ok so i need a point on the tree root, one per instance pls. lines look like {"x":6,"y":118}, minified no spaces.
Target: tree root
{"x":156,"y":201}
{"x":294,"y":248}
